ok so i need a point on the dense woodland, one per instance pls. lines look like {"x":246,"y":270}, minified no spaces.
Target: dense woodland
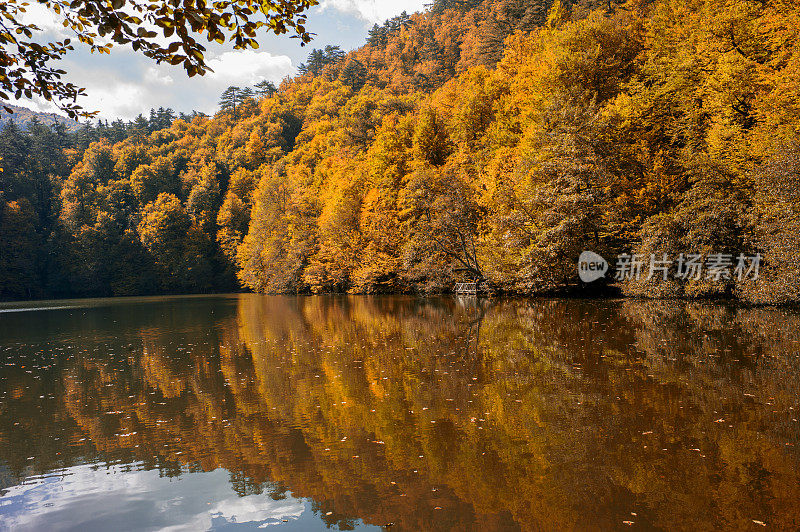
{"x":492,"y":140}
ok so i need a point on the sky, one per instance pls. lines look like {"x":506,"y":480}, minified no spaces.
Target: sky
{"x":124,"y":497}
{"x":124,"y":84}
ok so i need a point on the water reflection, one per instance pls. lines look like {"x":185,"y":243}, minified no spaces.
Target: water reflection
{"x":427,"y":414}
{"x":124,"y":498}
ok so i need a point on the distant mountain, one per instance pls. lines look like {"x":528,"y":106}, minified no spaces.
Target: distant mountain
{"x":21,"y":116}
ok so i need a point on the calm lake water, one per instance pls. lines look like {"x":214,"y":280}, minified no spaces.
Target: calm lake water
{"x":347,"y":413}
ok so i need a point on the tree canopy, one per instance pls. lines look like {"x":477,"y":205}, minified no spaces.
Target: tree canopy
{"x":319,"y":59}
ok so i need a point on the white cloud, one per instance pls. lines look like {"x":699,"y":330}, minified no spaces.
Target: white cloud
{"x":246,"y":67}
{"x":153,"y":75}
{"x":375,"y":11}
{"x":117,"y":99}
{"x":44,"y":19}
{"x":38,"y":104}
{"x":87,"y":497}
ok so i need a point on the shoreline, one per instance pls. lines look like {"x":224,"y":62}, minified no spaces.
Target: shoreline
{"x":79,"y":301}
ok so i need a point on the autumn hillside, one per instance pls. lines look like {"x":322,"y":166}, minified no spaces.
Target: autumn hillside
{"x":492,"y":140}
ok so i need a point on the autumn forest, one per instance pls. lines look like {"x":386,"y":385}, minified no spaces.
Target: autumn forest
{"x":491,"y":140}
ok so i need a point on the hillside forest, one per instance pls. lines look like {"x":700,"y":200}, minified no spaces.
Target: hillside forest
{"x":491,"y":140}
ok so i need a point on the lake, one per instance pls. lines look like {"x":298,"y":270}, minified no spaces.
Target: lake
{"x":355,"y":413}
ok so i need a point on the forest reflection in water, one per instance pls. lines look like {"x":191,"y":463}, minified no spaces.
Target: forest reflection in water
{"x":430,"y":414}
